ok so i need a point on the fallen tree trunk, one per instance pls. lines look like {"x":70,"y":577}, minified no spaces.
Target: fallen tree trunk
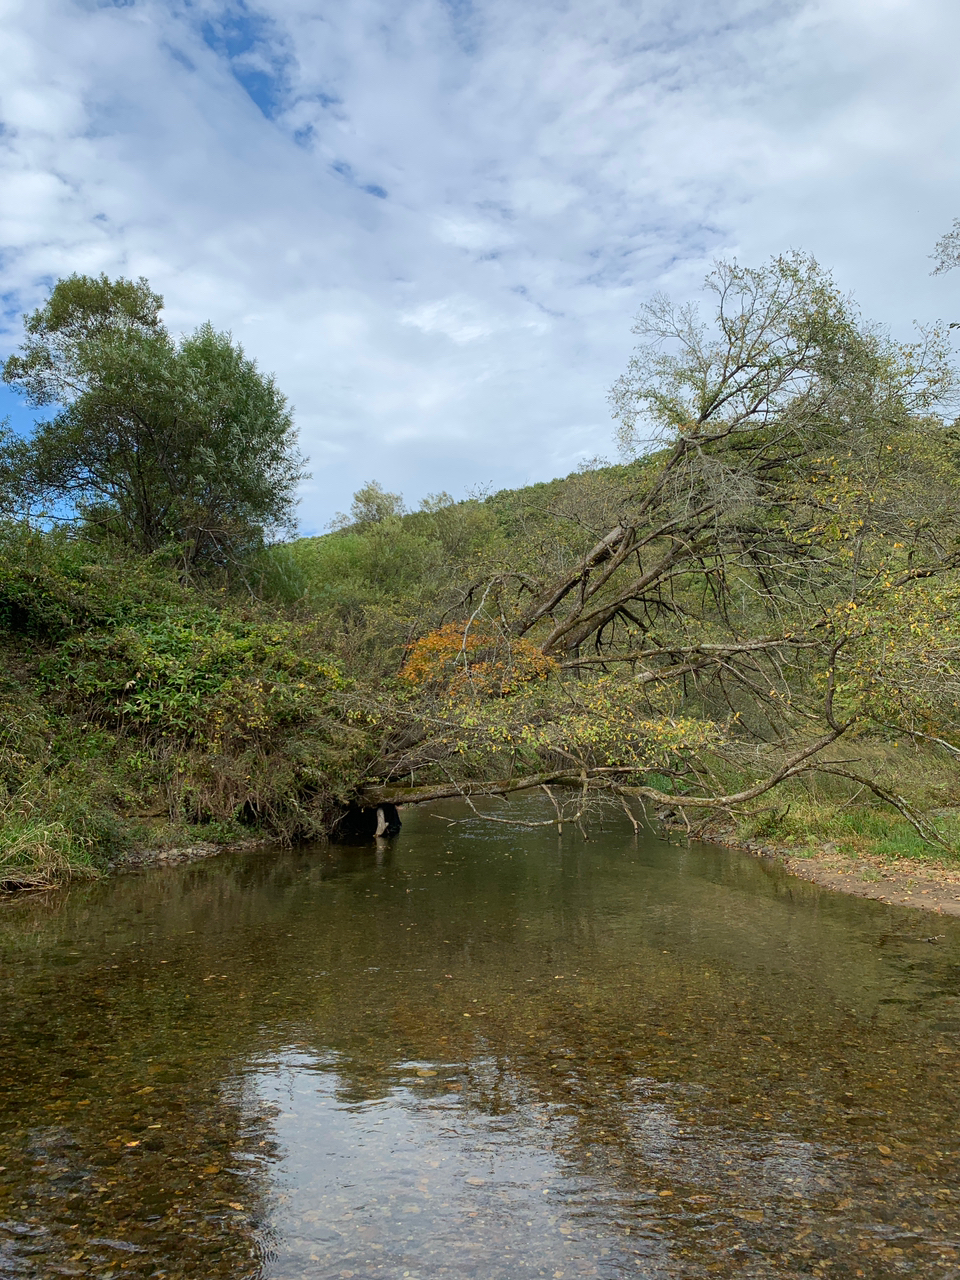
{"x":371,"y":797}
{"x":603,"y":779}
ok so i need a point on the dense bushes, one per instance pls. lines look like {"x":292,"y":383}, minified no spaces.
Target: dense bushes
{"x":135,"y":706}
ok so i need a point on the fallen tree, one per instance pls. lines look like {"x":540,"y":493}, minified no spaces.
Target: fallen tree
{"x":780,"y":569}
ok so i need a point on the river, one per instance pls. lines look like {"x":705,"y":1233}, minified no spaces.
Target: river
{"x":477,"y":1052}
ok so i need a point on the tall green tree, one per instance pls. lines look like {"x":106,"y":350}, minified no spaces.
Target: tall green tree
{"x":162,"y":443}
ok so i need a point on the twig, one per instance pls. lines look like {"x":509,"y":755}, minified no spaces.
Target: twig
{"x":628,"y":812}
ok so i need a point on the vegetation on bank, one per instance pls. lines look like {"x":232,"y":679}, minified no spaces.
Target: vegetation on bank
{"x":753,"y":620}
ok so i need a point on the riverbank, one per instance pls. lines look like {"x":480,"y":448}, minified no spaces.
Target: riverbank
{"x":141,"y":711}
{"x":196,"y":852}
{"x":929,"y":885}
{"x":864,"y":851}
{"x":932,"y":885}
{"x":16,"y":881}
{"x":903,"y":883}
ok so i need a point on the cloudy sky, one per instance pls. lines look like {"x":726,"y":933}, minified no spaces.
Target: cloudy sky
{"x":435,"y":219}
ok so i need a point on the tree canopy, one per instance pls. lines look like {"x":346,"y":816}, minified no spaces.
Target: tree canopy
{"x":162,"y":443}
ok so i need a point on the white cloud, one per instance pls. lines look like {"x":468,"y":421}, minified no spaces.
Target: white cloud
{"x":456,"y":318}
{"x":434,"y":220}
{"x":473,"y":234}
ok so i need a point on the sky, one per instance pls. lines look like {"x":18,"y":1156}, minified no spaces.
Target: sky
{"x":434,"y":220}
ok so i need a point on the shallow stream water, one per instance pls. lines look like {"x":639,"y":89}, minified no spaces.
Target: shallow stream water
{"x":477,"y":1052}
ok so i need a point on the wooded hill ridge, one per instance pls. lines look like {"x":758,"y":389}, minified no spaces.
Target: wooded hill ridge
{"x":754,"y":616}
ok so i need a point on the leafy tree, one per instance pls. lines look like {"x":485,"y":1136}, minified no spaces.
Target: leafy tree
{"x":946,"y":253}
{"x":158,"y":442}
{"x":372,"y":504}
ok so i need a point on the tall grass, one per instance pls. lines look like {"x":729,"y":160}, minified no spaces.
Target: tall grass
{"x":36,"y":853}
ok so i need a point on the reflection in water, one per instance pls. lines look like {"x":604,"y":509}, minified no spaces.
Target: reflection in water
{"x":480,"y":1054}
{"x":418,"y":1181}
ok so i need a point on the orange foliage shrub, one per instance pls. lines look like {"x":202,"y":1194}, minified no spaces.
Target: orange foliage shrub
{"x":478,"y":659}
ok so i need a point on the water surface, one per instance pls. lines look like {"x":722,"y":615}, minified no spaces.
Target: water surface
{"x":477,"y":1052}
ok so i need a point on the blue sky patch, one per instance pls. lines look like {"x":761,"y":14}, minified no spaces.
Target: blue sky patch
{"x":258,"y":60}
{"x":346,"y":172}
{"x":179,"y":56}
{"x":20,"y":417}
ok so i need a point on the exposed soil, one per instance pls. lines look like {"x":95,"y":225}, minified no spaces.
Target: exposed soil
{"x":930,"y":886}
{"x":905,"y":883}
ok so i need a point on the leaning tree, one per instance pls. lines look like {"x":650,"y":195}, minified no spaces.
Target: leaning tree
{"x":776,"y":571}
